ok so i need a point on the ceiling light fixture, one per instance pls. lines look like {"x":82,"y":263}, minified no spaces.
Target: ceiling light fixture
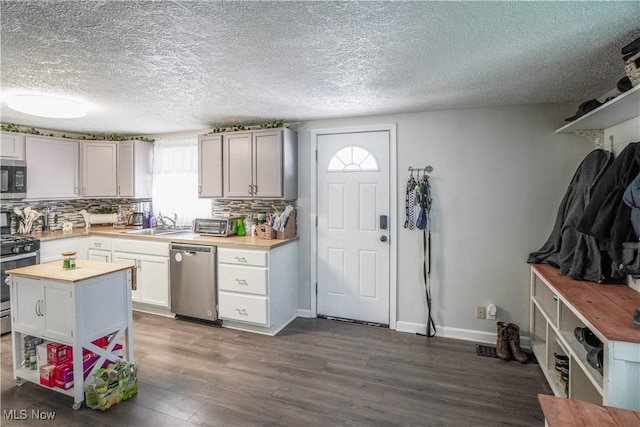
{"x":51,"y":106}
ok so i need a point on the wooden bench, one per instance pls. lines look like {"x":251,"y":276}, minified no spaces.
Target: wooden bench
{"x":560,"y":412}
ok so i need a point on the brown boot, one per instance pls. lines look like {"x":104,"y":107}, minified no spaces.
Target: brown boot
{"x":513,"y":332}
{"x":502,"y":345}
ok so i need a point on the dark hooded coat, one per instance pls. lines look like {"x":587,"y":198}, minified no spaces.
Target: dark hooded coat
{"x":606,"y":217}
{"x":574,"y":253}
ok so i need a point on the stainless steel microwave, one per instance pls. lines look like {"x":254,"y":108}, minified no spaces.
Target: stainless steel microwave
{"x":14,"y":179}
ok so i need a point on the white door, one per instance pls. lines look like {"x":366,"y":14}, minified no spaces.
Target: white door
{"x":353,"y":244}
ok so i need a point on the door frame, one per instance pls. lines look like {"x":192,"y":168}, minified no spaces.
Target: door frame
{"x":393,"y":213}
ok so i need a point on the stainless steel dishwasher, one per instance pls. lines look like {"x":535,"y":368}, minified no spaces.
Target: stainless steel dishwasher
{"x":192,"y":270}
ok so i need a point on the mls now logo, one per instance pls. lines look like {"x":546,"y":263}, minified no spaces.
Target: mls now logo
{"x":23,"y":414}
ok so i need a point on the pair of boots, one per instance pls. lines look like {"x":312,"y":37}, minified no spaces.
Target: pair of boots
{"x":508,"y":345}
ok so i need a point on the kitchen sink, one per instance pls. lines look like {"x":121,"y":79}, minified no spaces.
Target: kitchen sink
{"x":157,"y":232}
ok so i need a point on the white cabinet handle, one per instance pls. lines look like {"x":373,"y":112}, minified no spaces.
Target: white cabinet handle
{"x":255,"y":189}
{"x":97,"y":245}
{"x":250,"y":189}
{"x":241,"y":259}
{"x":242,"y":311}
{"x":39,"y":308}
{"x":241,"y":281}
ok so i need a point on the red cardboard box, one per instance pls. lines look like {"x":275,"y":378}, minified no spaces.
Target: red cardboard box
{"x":64,"y":375}
{"x":47,"y":375}
{"x":58,"y":354}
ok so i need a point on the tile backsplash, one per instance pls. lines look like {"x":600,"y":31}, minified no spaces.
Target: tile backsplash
{"x":224,"y":207}
{"x":66,"y":210}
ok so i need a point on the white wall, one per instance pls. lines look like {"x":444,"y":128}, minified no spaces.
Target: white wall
{"x":499,"y":175}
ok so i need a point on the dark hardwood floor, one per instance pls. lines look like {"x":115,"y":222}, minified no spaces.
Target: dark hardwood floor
{"x":315,"y":372}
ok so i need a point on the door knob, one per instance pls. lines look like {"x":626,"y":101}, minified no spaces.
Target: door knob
{"x":383,"y":238}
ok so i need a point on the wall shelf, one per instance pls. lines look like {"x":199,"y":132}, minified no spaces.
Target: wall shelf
{"x":622,"y":108}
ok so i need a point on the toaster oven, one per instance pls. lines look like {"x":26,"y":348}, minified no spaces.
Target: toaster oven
{"x":216,"y":226}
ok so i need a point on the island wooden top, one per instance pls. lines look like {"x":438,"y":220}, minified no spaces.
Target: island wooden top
{"x":609,"y":308}
{"x":561,"y":412}
{"x":84,"y":270}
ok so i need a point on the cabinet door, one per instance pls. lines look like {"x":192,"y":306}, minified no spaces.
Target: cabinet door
{"x":12,"y":146}
{"x":130,"y":259}
{"x":58,"y":311}
{"x":125,"y":169}
{"x":237,"y":166}
{"x":154,"y":275}
{"x":99,"y":169}
{"x":52,"y":168}
{"x":267,"y":164}
{"x":210,"y":166}
{"x":27,"y":301}
{"x":135,"y":169}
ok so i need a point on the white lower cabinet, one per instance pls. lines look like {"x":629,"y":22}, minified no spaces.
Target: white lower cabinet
{"x":51,"y":250}
{"x":258,"y":290}
{"x":151,"y":260}
{"x":99,"y":249}
{"x":44,"y":308}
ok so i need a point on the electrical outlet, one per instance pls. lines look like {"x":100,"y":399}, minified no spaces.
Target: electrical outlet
{"x":480,"y":312}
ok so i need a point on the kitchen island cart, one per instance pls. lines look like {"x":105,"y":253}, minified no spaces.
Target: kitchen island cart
{"x":73,"y":307}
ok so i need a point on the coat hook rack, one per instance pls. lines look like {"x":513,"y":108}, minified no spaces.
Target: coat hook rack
{"x":427,"y":169}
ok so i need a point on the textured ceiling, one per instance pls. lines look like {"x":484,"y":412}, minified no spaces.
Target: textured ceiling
{"x":150,"y":67}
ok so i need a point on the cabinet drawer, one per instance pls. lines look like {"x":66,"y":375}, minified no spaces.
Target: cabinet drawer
{"x":104,"y":243}
{"x":251,"y":280}
{"x":141,"y":247}
{"x":244,"y":308}
{"x":242,"y":257}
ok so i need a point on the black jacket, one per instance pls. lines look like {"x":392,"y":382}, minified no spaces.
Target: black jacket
{"x":574,"y":253}
{"x":606,"y":217}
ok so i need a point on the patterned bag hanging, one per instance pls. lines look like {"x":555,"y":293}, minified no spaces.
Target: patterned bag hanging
{"x":410,"y":204}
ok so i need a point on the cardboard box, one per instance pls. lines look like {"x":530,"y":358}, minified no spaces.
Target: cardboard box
{"x":64,"y":372}
{"x":47,"y":377}
{"x":41,"y":355}
{"x":64,"y":375}
{"x":58,"y":354}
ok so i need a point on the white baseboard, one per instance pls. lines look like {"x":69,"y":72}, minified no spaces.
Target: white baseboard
{"x":456,"y":333}
{"x":304,"y":313}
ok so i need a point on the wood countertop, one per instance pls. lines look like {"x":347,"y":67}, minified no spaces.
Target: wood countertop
{"x":240,"y":242}
{"x":84,"y":270}
{"x":609,"y":308}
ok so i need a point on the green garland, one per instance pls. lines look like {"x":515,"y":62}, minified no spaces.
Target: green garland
{"x":235,"y":128}
{"x":10,"y":127}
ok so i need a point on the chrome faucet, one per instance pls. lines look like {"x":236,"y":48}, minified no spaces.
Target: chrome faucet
{"x":163,"y":220}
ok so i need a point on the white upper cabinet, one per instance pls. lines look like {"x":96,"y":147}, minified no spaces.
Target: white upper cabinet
{"x":52,"y":167}
{"x":99,"y":168}
{"x":135,"y":169}
{"x":12,"y":146}
{"x":260,"y":164}
{"x":210,"y":165}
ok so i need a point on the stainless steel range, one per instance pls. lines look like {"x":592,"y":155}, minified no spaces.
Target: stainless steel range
{"x":16,"y":251}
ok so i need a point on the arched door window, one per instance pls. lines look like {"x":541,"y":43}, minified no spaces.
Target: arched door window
{"x":353,"y":159}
